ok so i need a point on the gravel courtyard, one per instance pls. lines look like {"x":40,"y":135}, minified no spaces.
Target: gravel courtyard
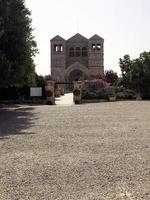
{"x":95,"y":151}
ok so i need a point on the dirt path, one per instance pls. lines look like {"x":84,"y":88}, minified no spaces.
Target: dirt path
{"x":81,"y":152}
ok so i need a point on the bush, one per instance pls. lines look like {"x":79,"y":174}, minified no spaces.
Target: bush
{"x":94,"y":89}
{"x":146,"y":94}
{"x":110,"y":91}
{"x":10,"y":93}
{"x":98,"y":94}
{"x":105,"y":93}
{"x":126,"y":94}
{"x":95,"y":84}
{"x":17,"y":93}
{"x":120,"y":92}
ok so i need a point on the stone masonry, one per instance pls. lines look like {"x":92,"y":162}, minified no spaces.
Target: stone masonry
{"x":76,"y":57}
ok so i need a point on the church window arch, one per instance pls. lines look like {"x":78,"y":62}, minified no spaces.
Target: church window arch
{"x":61,"y":48}
{"x":71,"y":52}
{"x":55,"y":47}
{"x":93,"y":47}
{"x":78,"y":53}
{"x":84,"y":51}
{"x":98,"y":47}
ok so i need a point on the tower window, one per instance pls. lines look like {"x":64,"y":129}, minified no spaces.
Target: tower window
{"x":60,"y":48}
{"x":98,"y":47}
{"x":84,"y":51}
{"x":55,"y":48}
{"x":71,"y":52}
{"x":93,"y":47}
{"x":78,"y":53}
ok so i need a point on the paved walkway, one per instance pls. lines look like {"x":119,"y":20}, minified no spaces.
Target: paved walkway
{"x":67,"y":100}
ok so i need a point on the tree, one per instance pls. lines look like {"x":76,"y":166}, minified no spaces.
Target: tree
{"x":111,"y":76}
{"x":40,"y":80}
{"x":17,"y":45}
{"x":125,"y":66}
{"x":140,"y":73}
{"x":136,"y":73}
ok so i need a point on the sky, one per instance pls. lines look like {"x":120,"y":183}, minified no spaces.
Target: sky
{"x":124,"y":25}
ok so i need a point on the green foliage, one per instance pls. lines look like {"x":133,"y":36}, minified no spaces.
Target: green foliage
{"x":40,"y":80}
{"x":125,"y":66}
{"x":136,"y":73}
{"x":126,"y":94}
{"x":110,"y":91}
{"x":121,"y":93}
{"x":97,"y":94}
{"x":14,"y":93}
{"x":17,"y":45}
{"x":94,"y":89}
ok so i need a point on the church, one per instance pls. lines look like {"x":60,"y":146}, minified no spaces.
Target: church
{"x":76,"y":57}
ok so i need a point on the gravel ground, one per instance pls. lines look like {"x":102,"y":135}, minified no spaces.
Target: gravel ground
{"x":80,"y":152}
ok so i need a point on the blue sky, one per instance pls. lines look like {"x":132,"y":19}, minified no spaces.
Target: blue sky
{"x":124,"y":25}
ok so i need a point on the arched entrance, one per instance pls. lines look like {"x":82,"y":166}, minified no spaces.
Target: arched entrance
{"x":75,"y":75}
{"x":75,"y":72}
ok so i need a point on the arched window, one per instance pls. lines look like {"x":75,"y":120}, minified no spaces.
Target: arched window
{"x":71,"y":52}
{"x":61,"y":48}
{"x":84,"y":51}
{"x":78,"y":53}
{"x":93,"y":47}
{"x":55,"y":47}
{"x":98,"y":47}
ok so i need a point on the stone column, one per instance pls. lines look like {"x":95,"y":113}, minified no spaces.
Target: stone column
{"x":77,"y":92}
{"x":50,"y":92}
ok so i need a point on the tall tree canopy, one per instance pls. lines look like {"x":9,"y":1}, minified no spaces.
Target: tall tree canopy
{"x":136,"y":73}
{"x":125,"y":64}
{"x":17,"y":45}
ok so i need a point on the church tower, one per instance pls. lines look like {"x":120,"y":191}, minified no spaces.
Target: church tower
{"x":96,"y":55}
{"x":58,"y":57}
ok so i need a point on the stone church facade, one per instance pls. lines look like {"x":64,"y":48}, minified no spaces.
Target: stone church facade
{"x":76,"y":57}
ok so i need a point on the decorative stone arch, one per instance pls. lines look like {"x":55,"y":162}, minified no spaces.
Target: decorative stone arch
{"x":74,"y":72}
{"x":75,"y":67}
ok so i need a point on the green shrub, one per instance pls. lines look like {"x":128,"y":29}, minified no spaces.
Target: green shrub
{"x":105,"y":93}
{"x":110,"y":91}
{"x":146,"y":94}
{"x":97,"y":94}
{"x":126,"y":94}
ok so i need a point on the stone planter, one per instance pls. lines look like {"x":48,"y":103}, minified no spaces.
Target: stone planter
{"x":138,"y":97}
{"x":112,"y":98}
{"x":77,"y":92}
{"x":49,"y":89}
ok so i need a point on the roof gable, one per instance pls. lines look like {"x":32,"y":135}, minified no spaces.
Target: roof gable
{"x":57,"y":37}
{"x":96,"y":37}
{"x":77,"y":37}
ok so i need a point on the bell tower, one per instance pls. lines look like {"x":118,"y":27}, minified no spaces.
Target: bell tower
{"x":58,"y":57}
{"x":96,"y":55}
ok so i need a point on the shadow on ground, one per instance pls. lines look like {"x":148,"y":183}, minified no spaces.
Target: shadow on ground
{"x":15,"y":121}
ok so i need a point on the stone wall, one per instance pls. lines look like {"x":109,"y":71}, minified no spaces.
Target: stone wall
{"x":62,"y":62}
